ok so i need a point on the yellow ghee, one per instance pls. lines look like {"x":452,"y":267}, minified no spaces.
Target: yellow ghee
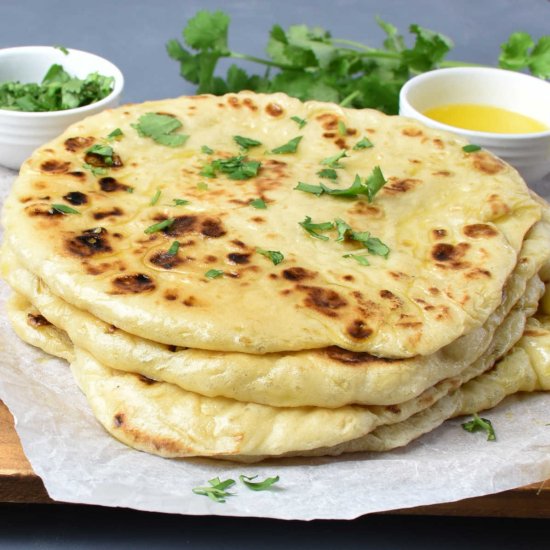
{"x":485,"y":118}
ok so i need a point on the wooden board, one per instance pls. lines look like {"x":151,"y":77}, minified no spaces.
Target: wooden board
{"x":18,"y":483}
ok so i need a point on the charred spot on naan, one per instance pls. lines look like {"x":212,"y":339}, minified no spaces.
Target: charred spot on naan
{"x":479,"y":231}
{"x":238,"y":258}
{"x":447,"y":255}
{"x":164,"y":260}
{"x":114,"y":212}
{"x":76,"y":198}
{"x":323,"y":300}
{"x":42,"y":210}
{"x":298,"y":274}
{"x":55,"y":166}
{"x":109,"y":184}
{"x":205,"y":225}
{"x":356,"y":357}
{"x":486,"y":163}
{"x":77,"y":143}
{"x":90,"y":242}
{"x":133,"y":283}
{"x":99,"y":161}
{"x":396,"y":186}
{"x":37,"y":320}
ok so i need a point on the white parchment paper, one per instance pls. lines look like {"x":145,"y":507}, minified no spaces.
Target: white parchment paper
{"x":79,"y":462}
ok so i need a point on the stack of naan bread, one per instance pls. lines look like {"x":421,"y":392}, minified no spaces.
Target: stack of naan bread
{"x":209,"y":308}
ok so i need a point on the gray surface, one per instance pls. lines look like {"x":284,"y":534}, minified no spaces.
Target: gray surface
{"x":132,"y":34}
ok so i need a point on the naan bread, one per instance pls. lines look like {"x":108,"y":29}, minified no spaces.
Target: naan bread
{"x":161,"y":418}
{"x":454,"y":223}
{"x":325,"y":377}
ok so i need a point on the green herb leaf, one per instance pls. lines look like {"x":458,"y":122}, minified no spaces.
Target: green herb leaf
{"x":364,"y":143}
{"x":375,"y":182}
{"x":205,"y":149}
{"x":174,"y":247}
{"x":289,"y":147}
{"x":274,"y":255}
{"x":355,"y":189}
{"x":342,"y":128}
{"x":159,"y":226}
{"x":258,"y":203}
{"x":116,"y":134}
{"x":217,"y":489}
{"x":258,"y":485}
{"x":62,"y":49}
{"x":471,"y":148}
{"x":343,"y":229}
{"x":160,"y":128}
{"x":373,"y":244}
{"x":332,"y":162}
{"x":308,"y":188}
{"x":64,"y":209}
{"x":299,"y":121}
{"x":246,"y":143}
{"x":207,"y":31}
{"x":202,"y":186}
{"x":328,"y":173}
{"x":180,"y":202}
{"x":104,"y":151}
{"x":155,"y":198}
{"x":363,"y":260}
{"x":236,"y":168}
{"x":58,"y":91}
{"x":479,"y":423}
{"x":313,"y":228}
{"x":95,"y":170}
{"x":520,"y":52}
{"x":213,"y":273}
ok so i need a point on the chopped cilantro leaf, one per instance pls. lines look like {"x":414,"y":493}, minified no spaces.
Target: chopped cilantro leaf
{"x":313,"y":228}
{"x":95,"y":170}
{"x":174,"y":247}
{"x":364,"y":143}
{"x":246,"y":143}
{"x":213,"y":273}
{"x":328,"y":173}
{"x":289,"y":147}
{"x":309,"y":188}
{"x":274,"y":255}
{"x":341,"y":128}
{"x":373,"y":244}
{"x":207,"y":150}
{"x":64,"y":209}
{"x":471,"y":148}
{"x":258,"y":485}
{"x":180,"y":202}
{"x":160,"y":128}
{"x":258,"y":203}
{"x":159,"y":226}
{"x":299,"y":121}
{"x":332,"y":162}
{"x":117,"y":133}
{"x":217,"y":489}
{"x":202,"y":186}
{"x":363,"y":260}
{"x":343,"y":228}
{"x":155,"y":198}
{"x":479,"y":423}
{"x":236,"y":168}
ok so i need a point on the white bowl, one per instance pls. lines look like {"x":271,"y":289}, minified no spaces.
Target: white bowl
{"x":23,"y":132}
{"x":518,"y":92}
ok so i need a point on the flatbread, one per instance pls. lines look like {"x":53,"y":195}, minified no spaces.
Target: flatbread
{"x":163,"y":419}
{"x":329,"y":377}
{"x":454,"y":223}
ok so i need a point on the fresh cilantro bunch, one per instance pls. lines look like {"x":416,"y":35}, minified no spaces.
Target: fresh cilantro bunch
{"x":308,"y":63}
{"x":57,"y":91}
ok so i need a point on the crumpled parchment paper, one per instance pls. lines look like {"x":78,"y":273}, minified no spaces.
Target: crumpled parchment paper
{"x":79,"y":462}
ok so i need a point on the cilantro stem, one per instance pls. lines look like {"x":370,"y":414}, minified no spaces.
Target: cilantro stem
{"x":349,"y":98}
{"x":246,"y":57}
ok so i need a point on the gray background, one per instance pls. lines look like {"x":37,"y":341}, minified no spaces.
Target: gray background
{"x":133,"y":34}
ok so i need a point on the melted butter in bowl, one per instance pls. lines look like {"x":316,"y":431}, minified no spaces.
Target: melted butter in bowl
{"x":505,"y":112}
{"x":485,"y":118}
